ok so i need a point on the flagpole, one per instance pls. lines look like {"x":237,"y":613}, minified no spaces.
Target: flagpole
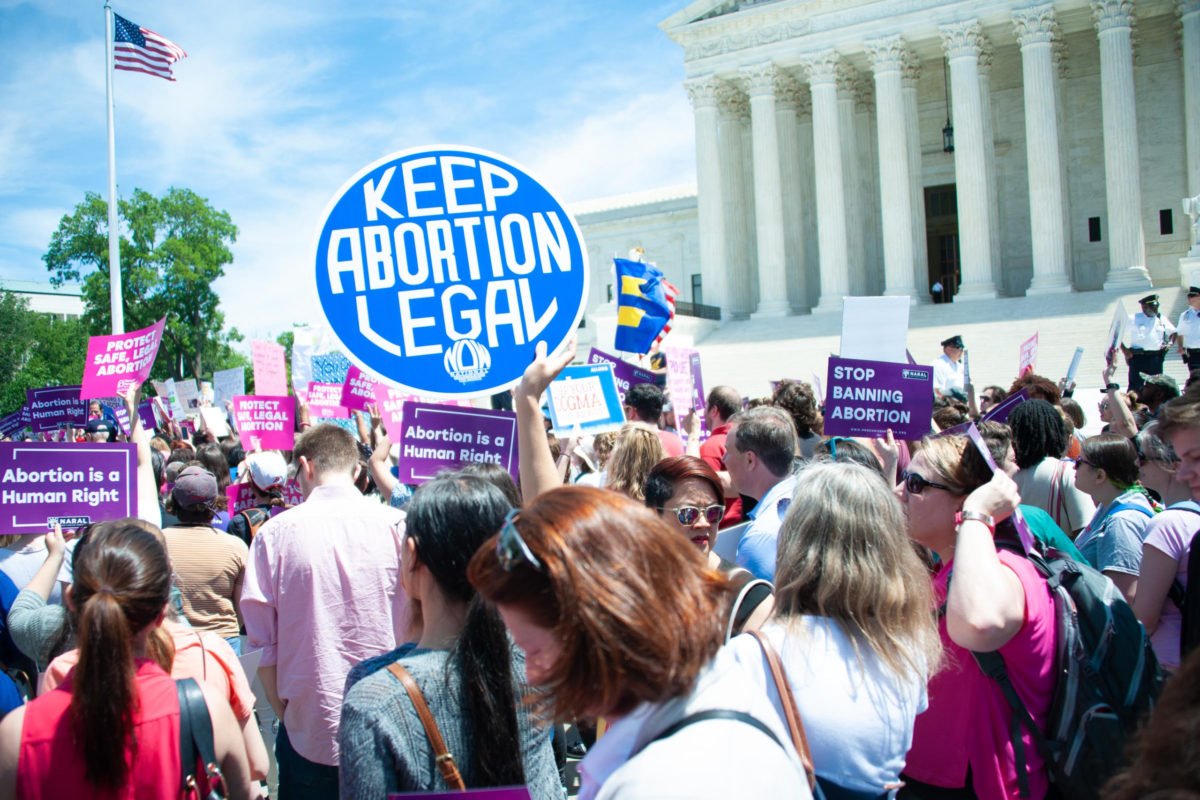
{"x":114,"y":233}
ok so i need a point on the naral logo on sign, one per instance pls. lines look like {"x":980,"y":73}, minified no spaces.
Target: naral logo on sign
{"x":441,"y":268}
{"x":915,"y":374}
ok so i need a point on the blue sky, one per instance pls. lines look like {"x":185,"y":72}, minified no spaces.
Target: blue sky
{"x":279,"y":103}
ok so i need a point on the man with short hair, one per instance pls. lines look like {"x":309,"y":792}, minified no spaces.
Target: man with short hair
{"x":644,"y":403}
{"x":761,"y":446}
{"x":723,"y":402}
{"x":1187,"y":332}
{"x":322,"y":593}
{"x":99,"y":429}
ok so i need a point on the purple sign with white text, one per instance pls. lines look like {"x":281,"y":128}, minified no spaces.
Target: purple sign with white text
{"x":52,"y":405}
{"x":14,"y":422}
{"x":437,"y":437}
{"x":1000,"y":411}
{"x":494,"y":793}
{"x":867,"y":398}
{"x":72,"y":484}
{"x":625,"y":373}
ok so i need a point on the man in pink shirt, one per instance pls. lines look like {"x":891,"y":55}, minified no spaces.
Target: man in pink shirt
{"x":322,"y":593}
{"x":644,"y":403}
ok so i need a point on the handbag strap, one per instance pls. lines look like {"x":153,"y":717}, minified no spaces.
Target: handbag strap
{"x":790,"y":712}
{"x":442,"y":755}
{"x":195,"y":736}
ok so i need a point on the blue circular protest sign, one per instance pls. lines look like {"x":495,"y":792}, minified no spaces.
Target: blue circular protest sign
{"x":441,"y":268}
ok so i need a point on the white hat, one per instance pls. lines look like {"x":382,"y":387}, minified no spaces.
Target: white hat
{"x":268,"y":470}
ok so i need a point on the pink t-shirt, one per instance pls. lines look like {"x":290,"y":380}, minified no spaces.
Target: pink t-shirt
{"x":968,"y":719}
{"x":672,"y":444}
{"x":1171,"y":532}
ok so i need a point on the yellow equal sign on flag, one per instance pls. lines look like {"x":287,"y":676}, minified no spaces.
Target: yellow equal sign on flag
{"x":632,"y":285}
{"x":629,"y":315}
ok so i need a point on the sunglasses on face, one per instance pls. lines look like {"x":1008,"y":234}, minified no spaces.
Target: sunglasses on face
{"x":688,"y":515}
{"x":915,"y":484}
{"x":511,"y":549}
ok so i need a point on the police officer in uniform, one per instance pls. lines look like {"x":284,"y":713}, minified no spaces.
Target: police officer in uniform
{"x":1149,"y":339}
{"x":949,"y":371}
{"x":1188,"y":330}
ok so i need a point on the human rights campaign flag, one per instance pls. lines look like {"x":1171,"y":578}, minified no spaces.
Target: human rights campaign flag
{"x":644,"y":305}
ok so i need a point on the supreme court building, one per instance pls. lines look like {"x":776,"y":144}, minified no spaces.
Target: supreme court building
{"x":866,"y":147}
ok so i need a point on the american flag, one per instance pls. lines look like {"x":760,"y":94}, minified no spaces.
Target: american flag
{"x":139,"y":49}
{"x":671,"y":293}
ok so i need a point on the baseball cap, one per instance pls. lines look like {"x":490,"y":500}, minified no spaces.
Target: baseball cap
{"x":268,"y":470}
{"x":100,"y":425}
{"x":195,"y":485}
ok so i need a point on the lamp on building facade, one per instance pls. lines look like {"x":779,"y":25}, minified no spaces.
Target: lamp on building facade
{"x":948,"y":131}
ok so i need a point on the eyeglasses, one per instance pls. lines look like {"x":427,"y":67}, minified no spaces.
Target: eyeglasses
{"x":1083,"y":462}
{"x":915,"y":484}
{"x":688,"y":515}
{"x":511,"y":549}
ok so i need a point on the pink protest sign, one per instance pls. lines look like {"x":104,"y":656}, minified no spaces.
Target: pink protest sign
{"x":325,"y":401}
{"x":391,"y":406}
{"x":270,"y":375}
{"x":358,"y":390}
{"x":683,"y":380}
{"x":116,"y":362}
{"x":241,"y":497}
{"x":1029,"y":350}
{"x":265,"y":423}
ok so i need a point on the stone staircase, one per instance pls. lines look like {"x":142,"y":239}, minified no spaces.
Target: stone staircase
{"x":749,"y":354}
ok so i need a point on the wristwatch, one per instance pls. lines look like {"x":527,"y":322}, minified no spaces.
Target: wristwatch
{"x":1112,"y":387}
{"x":986,"y":519}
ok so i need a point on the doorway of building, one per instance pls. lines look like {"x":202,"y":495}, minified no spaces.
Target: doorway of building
{"x":941,"y":233}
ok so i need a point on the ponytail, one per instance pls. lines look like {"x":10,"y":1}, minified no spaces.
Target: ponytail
{"x":483,"y":655}
{"x":121,"y":585}
{"x":102,"y":694}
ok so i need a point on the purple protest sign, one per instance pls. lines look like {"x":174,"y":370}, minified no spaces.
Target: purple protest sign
{"x":358,"y":390}
{"x":117,"y":408}
{"x":266,"y":423}
{"x":52,"y":405}
{"x":866,"y":398}
{"x":325,"y":401}
{"x":625,"y":373}
{"x":1000,"y":411}
{"x":116,"y":362}
{"x":14,"y":422}
{"x":1023,"y":530}
{"x":699,"y":399}
{"x":436,"y":437}
{"x":145,"y":410}
{"x":73,"y":484}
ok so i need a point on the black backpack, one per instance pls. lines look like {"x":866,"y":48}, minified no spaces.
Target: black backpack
{"x":1107,"y":681}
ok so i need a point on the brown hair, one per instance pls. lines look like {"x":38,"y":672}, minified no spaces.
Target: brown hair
{"x":1038,"y":388}
{"x":637,"y":450}
{"x":957,"y":463}
{"x":798,"y":400}
{"x":670,"y":472}
{"x":122,"y":581}
{"x":635,"y":610}
{"x":1116,"y":455}
{"x":329,"y":448}
{"x":844,"y":554}
{"x":1182,"y":412}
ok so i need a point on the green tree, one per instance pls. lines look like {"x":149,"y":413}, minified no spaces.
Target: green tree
{"x":36,"y":350}
{"x":172,"y":249}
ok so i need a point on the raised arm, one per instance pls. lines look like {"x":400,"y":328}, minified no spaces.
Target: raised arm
{"x":985,"y":606}
{"x":147,"y":488}
{"x":691,"y":426}
{"x":538,"y":473}
{"x":1122,"y":421}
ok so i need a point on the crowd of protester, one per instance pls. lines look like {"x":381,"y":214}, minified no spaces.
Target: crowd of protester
{"x":728,"y":603}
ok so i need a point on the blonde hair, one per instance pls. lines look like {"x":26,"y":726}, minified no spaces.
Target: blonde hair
{"x":844,"y":554}
{"x":635,"y":453}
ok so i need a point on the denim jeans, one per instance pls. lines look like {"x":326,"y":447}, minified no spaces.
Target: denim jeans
{"x":236,"y":643}
{"x":299,"y":778}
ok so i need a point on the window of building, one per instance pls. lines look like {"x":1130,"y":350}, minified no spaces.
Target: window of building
{"x":1166,"y":222}
{"x":1093,"y":229}
{"x":609,"y":292}
{"x":697,"y":290}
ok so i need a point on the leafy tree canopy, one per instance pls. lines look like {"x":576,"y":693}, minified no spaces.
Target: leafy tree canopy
{"x":172,"y":250}
{"x":36,"y":350}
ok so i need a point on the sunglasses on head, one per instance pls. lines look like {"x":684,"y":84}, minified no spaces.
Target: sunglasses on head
{"x":915,"y":484}
{"x":688,"y":515}
{"x":511,"y":549}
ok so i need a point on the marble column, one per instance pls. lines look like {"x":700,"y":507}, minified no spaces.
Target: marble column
{"x":788,"y":100}
{"x":989,"y":155}
{"x":751,"y":214}
{"x":812,"y":255}
{"x":895,"y":187}
{"x":909,"y":77}
{"x":868,"y":185}
{"x":1189,"y":11}
{"x":847,"y":98}
{"x":963,"y":42}
{"x":1059,"y":54}
{"x":703,"y":92}
{"x":1036,"y":29}
{"x":762,"y":81}
{"x":1122,"y":162}
{"x":827,"y":158}
{"x":737,"y":233}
